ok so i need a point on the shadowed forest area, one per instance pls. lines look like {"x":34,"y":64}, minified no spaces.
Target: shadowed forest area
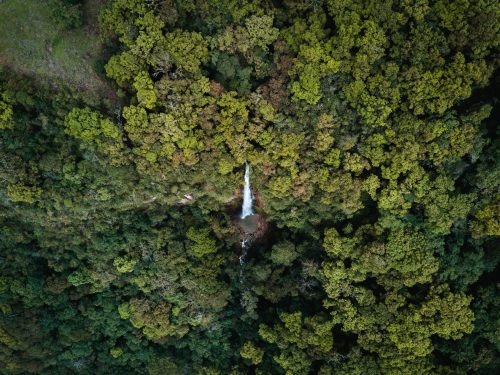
{"x":370,"y":129}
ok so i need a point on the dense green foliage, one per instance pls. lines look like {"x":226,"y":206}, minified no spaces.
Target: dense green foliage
{"x":371,"y":131}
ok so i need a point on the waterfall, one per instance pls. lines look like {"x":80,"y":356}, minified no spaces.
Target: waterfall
{"x":247,"y":207}
{"x":246,"y":210}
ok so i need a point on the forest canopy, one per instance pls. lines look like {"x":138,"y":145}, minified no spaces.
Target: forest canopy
{"x":370,"y":129}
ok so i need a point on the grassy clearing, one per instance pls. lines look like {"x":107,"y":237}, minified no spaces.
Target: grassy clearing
{"x":31,"y":44}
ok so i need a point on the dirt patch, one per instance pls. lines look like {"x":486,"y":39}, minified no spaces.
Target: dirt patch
{"x":33,"y":46}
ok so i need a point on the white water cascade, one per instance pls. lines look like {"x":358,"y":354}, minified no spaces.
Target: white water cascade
{"x":247,"y":207}
{"x":246,"y":210}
